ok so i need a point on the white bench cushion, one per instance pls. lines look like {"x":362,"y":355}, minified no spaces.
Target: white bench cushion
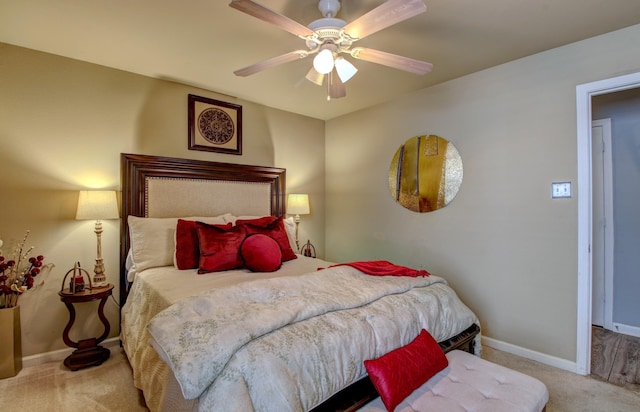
{"x":472,"y":384}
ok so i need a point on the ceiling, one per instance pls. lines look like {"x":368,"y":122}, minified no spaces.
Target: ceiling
{"x":201,"y":42}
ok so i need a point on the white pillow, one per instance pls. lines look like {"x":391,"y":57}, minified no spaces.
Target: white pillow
{"x":153,"y":239}
{"x":130,"y":266}
{"x":232,"y":218}
{"x":289,"y":227}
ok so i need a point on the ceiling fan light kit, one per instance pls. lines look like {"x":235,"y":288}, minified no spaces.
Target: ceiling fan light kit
{"x":329,"y":37}
{"x":345,"y":69}
{"x":314,"y":77}
{"x":323,"y":62}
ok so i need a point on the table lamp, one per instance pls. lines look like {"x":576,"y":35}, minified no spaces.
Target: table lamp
{"x":98,"y":205}
{"x":298,"y":204}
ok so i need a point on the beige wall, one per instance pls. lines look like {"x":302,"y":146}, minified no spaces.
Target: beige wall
{"x":63,"y":125}
{"x":507,"y":248}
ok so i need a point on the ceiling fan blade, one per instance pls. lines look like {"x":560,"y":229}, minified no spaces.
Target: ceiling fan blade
{"x":265,"y":14}
{"x":383,"y":16}
{"x":272,"y":62}
{"x":392,"y":60}
{"x":335,"y":86}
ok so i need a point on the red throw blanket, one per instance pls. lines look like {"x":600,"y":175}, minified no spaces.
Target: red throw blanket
{"x":384,"y":268}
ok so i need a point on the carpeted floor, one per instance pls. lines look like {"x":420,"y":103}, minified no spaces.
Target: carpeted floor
{"x":52,"y":387}
{"x":569,"y":392}
{"x":109,"y":387}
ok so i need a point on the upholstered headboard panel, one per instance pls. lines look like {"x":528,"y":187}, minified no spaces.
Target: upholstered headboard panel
{"x":154,"y":186}
{"x":171,"y":197}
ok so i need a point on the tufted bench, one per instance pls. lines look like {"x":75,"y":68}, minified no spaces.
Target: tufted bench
{"x":472,"y":384}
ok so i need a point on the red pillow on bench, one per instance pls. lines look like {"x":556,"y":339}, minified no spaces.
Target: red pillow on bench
{"x":403,"y":370}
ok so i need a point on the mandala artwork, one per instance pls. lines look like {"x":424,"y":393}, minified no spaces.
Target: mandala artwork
{"x":216,"y":126}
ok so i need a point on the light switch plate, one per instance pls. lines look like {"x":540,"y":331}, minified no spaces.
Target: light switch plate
{"x":560,"y":189}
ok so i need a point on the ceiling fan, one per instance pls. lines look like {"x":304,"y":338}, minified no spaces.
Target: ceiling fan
{"x":330,"y":37}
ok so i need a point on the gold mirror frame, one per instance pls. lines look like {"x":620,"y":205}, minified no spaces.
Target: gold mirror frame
{"x":425,"y":173}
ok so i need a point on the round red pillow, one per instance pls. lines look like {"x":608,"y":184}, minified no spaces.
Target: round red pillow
{"x":261,"y":253}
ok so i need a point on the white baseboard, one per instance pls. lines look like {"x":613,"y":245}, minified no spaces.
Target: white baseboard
{"x":530,"y":354}
{"x":626,"y":329}
{"x":60,"y":355}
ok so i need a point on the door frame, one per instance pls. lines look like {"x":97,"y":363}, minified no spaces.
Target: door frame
{"x":584,"y":92}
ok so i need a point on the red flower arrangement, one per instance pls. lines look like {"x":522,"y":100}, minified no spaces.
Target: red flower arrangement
{"x":17,"y":275}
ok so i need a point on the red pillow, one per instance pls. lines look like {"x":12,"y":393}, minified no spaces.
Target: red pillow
{"x":403,"y":370}
{"x":273,"y":227}
{"x":219,"y":247}
{"x":187,"y":245}
{"x":260,"y":253}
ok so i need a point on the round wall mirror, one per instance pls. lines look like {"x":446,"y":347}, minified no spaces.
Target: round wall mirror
{"x":425,"y":173}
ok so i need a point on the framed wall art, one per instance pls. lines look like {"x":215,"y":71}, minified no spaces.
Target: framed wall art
{"x":214,"y":126}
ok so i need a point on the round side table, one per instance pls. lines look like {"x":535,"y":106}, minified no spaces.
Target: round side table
{"x":88,"y":351}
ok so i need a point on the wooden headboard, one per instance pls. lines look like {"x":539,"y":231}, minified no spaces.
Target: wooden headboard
{"x":155,"y":186}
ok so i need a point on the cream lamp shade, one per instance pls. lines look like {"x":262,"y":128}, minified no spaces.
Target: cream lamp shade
{"x":98,"y":205}
{"x":298,"y":204}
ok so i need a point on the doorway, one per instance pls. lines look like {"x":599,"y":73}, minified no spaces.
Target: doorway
{"x":622,"y":161}
{"x":584,"y":93}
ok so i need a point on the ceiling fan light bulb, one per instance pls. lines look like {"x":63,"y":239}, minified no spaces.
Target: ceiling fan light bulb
{"x":345,"y":69}
{"x":323,"y":62}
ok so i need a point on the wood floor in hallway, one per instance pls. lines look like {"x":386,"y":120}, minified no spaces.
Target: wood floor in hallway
{"x":615,"y":358}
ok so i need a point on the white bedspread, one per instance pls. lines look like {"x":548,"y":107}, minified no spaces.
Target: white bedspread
{"x":243,"y":359}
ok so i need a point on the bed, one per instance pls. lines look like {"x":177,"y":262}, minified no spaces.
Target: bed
{"x":237,"y":339}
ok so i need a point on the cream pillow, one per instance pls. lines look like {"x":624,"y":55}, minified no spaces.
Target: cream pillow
{"x":290,"y":227}
{"x":153,"y":239}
